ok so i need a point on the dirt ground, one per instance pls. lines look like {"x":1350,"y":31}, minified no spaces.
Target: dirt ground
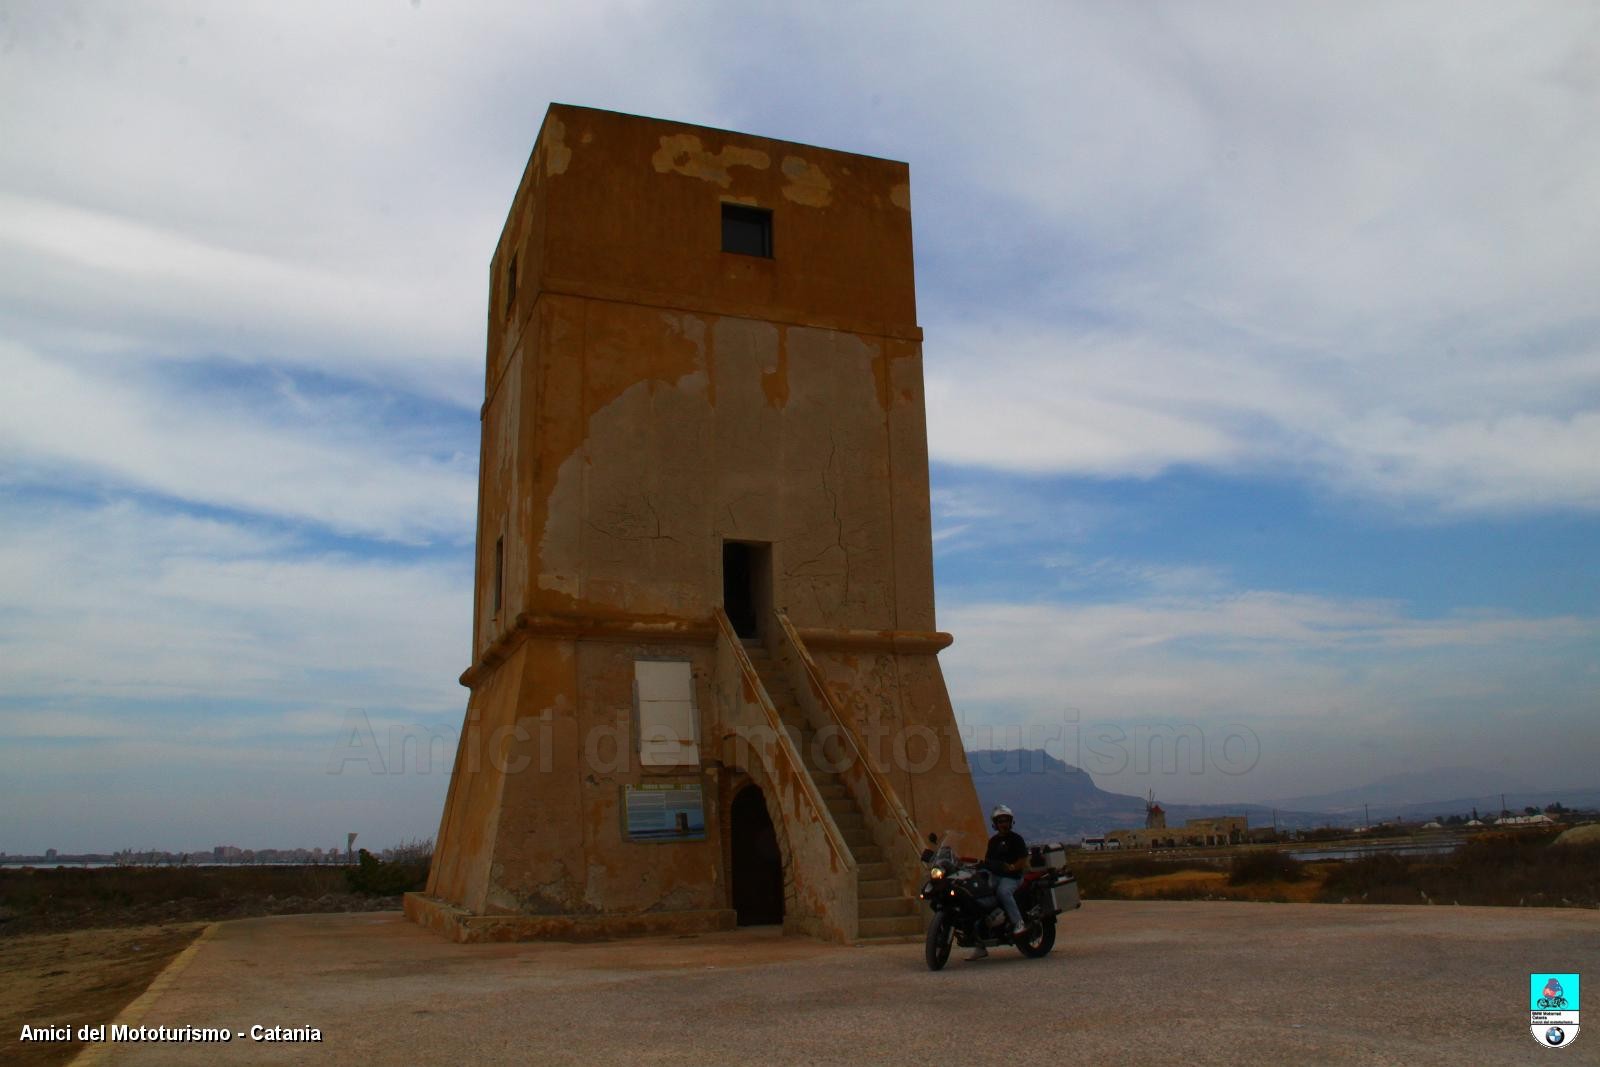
{"x":1130,"y":982}
{"x":82,"y":977}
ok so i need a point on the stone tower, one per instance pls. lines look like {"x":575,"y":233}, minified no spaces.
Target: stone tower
{"x":704,"y":679}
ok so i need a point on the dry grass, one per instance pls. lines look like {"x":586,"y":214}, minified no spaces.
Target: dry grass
{"x":42,"y":900}
{"x":1215,"y":885}
{"x":77,"y":979}
{"x":1099,"y":878}
{"x":1504,"y":869}
{"x":1178,"y":885}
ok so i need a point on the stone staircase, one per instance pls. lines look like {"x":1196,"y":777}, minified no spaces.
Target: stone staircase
{"x":884,"y":912}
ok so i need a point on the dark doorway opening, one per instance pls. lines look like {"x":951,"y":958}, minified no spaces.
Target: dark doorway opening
{"x":746,"y":569}
{"x":757,"y":863}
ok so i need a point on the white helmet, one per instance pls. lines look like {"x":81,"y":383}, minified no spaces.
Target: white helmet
{"x":1000,"y":810}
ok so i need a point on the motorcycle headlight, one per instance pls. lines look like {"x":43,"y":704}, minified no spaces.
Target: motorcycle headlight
{"x":937,"y":873}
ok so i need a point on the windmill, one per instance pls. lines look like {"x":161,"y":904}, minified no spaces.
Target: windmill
{"x":1154,"y":817}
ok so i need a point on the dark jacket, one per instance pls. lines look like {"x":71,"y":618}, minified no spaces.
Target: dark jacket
{"x":1004,"y":850}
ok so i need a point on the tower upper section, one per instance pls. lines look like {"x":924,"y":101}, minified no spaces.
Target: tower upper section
{"x":704,"y":385}
{"x":641,"y":210}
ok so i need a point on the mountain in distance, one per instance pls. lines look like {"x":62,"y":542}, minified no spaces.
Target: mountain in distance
{"x":1053,"y":799}
{"x":1486,"y":804}
{"x":1049,"y":797}
{"x":1414,"y":788}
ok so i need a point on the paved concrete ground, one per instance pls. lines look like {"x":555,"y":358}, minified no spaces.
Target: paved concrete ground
{"x":1129,"y":983}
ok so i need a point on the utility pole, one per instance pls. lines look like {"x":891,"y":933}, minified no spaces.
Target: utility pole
{"x":1366,"y":818}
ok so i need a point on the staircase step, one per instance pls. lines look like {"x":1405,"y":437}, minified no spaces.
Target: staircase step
{"x":857,"y":839}
{"x":867,"y":854}
{"x":885,"y":908}
{"x":842,"y":809}
{"x":871,"y":872}
{"x":891,"y":926}
{"x":876,"y":888}
{"x":847,"y":821}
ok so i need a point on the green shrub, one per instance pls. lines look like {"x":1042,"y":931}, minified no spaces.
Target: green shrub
{"x":1359,"y":878}
{"x":374,"y":877}
{"x":1267,"y":865}
{"x":1494,"y":869}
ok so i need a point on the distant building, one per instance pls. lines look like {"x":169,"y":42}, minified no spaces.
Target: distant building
{"x":1195,"y":833}
{"x":1525,"y":820}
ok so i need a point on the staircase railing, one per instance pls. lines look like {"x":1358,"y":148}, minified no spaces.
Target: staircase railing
{"x":729,"y":644}
{"x":883,"y":791}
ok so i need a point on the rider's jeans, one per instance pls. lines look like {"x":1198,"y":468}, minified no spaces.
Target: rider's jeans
{"x":1006,"y":889}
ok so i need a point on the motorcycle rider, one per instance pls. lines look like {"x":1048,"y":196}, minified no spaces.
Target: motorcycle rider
{"x":1007,"y":856}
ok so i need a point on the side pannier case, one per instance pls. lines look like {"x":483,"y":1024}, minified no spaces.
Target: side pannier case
{"x":1065,"y":894}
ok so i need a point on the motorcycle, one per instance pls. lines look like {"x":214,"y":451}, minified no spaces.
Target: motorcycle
{"x":967,"y":912}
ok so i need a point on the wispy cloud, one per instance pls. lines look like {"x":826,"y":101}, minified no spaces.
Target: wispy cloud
{"x":1365,"y":260}
{"x":1493,"y":432}
{"x":329,"y":462}
{"x":104,"y":282}
{"x":118,"y":602}
{"x":1295,"y":669}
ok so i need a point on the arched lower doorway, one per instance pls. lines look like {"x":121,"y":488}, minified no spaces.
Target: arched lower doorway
{"x":757,"y":863}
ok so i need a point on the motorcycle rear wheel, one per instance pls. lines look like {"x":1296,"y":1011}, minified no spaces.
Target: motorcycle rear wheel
{"x":1041,"y":943}
{"x":936,"y":948}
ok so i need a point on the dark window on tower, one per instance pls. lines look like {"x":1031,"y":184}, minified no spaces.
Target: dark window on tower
{"x":747,"y":230}
{"x":499,"y":572}
{"x":511,"y":284}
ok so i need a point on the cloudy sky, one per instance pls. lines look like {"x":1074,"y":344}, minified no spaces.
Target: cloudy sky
{"x":1263,"y":367}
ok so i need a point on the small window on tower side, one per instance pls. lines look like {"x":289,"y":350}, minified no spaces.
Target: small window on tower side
{"x":747,"y":230}
{"x":499,"y":572}
{"x":511,"y":284}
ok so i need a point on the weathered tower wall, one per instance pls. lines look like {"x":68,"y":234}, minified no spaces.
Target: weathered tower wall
{"x":650,"y":396}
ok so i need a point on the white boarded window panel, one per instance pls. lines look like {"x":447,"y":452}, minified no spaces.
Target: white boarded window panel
{"x":665,"y":693}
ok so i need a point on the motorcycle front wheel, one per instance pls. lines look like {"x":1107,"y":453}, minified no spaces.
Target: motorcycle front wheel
{"x":936,"y":949}
{"x":1040,"y":940}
